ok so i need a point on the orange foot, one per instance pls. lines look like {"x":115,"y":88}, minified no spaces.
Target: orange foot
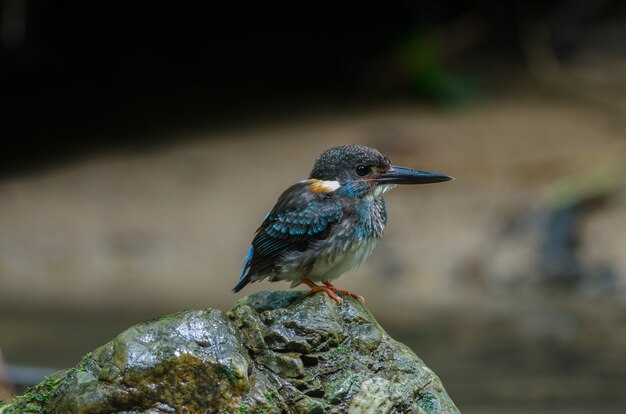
{"x":345,"y":292}
{"x":315,"y":288}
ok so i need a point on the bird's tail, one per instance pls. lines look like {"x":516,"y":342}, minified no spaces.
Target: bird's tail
{"x":242,"y":283}
{"x":244,"y":278}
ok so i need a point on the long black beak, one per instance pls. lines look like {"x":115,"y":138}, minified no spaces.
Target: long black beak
{"x":404,"y":175}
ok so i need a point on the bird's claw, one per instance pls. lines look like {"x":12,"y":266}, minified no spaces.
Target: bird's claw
{"x":330,"y":291}
{"x":345,"y":292}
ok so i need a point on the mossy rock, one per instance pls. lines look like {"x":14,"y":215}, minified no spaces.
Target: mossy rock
{"x":274,"y":352}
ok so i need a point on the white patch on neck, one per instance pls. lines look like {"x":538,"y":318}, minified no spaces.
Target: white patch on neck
{"x":322,"y":186}
{"x":381,"y":189}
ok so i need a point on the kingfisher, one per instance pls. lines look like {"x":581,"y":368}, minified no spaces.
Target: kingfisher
{"x":325,"y":225}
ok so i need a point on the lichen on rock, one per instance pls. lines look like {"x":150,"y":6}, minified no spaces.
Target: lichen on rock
{"x":274,"y":352}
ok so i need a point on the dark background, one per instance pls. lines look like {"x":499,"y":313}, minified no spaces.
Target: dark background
{"x":70,"y":69}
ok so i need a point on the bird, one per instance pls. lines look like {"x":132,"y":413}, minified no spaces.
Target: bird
{"x":327,"y":224}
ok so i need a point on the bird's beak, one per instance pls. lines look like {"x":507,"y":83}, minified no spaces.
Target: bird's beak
{"x":404,"y":175}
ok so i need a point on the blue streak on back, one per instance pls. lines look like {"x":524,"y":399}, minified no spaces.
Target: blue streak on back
{"x":246,"y":262}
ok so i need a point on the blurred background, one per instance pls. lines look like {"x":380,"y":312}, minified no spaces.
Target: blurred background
{"x":142,"y":144}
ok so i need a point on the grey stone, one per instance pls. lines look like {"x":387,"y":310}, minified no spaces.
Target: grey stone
{"x":274,"y":352}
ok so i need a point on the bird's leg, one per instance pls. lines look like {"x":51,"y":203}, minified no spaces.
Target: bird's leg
{"x":315,"y":288}
{"x":345,"y":292}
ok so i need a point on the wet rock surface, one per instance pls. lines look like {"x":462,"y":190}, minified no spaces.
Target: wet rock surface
{"x":274,"y":352}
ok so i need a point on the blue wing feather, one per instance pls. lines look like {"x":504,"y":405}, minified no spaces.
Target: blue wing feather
{"x":298,"y":218}
{"x":282,"y":231}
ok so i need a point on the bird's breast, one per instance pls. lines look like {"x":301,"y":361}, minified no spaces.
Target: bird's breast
{"x":337,"y":259}
{"x":352,"y":240}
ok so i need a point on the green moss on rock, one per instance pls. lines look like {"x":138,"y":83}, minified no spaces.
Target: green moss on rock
{"x":274,"y":352}
{"x":36,"y":399}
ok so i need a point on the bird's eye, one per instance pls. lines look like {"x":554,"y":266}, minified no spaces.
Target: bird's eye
{"x":362,"y":170}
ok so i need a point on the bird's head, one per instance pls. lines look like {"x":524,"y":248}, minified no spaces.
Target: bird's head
{"x":358,"y":171}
